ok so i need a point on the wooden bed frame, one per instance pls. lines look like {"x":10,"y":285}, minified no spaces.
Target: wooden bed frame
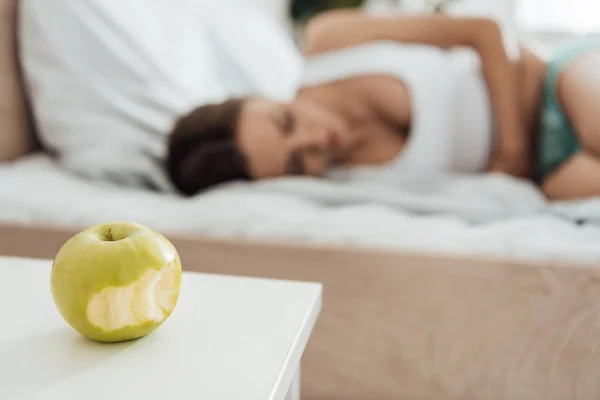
{"x":409,"y":326}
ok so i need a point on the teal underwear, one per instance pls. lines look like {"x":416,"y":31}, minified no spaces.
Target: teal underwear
{"x":558,"y":141}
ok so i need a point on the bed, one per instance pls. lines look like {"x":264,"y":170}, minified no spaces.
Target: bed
{"x":468,"y":215}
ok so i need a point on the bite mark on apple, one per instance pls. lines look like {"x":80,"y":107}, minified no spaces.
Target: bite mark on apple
{"x":149,"y":299}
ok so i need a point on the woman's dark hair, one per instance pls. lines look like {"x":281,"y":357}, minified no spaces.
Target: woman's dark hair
{"x":202,"y":148}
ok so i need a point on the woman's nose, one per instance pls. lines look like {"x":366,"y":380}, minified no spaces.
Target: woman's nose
{"x":316,"y":137}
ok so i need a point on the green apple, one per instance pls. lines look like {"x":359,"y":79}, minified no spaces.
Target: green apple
{"x":116,"y":281}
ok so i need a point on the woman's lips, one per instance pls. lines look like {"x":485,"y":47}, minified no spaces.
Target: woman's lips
{"x":333,"y":139}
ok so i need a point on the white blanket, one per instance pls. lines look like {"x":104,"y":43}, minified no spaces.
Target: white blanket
{"x":486,"y":215}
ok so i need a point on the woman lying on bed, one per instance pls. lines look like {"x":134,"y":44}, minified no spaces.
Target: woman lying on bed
{"x":382,"y":91}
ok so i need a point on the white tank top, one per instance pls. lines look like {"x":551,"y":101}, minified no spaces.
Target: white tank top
{"x":451,"y":127}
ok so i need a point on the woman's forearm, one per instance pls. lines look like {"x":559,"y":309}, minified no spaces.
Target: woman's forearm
{"x":500,"y":76}
{"x":340,"y":29}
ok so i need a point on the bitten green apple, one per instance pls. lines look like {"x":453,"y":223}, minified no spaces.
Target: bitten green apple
{"x":116,"y":281}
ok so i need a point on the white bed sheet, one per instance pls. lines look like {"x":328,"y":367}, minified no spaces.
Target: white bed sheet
{"x":490,"y":215}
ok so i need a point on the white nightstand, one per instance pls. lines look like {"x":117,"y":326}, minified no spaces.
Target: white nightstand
{"x":229,"y":338}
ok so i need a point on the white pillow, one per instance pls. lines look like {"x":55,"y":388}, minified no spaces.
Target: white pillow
{"x":108,"y":77}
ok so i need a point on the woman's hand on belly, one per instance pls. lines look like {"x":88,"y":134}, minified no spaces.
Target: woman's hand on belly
{"x":516,"y":159}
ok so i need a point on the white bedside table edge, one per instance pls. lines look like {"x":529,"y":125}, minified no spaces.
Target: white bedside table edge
{"x":287,"y":376}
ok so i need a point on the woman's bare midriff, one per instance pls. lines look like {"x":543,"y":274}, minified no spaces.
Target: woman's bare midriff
{"x":531,"y":74}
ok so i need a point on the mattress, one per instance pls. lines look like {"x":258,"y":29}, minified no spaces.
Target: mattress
{"x":490,"y":215}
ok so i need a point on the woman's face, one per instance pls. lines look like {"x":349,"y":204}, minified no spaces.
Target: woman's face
{"x":300,"y":138}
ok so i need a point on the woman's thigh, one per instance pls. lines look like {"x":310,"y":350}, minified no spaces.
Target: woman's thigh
{"x":577,"y":178}
{"x":579,"y":92}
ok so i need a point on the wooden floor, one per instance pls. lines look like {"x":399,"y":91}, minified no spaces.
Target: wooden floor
{"x":408,"y":326}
